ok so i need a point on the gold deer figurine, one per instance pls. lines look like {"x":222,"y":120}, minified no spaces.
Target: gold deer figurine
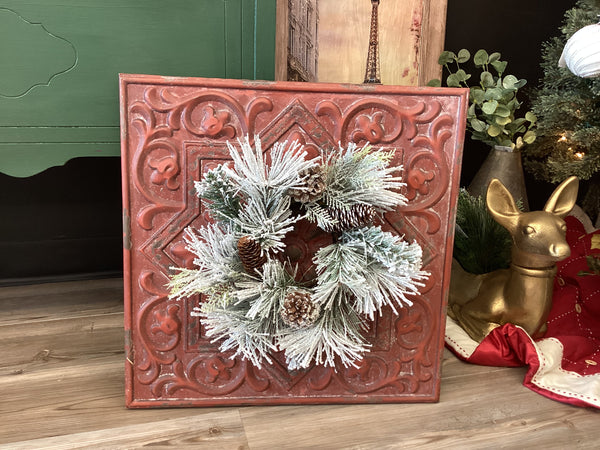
{"x":522,"y":294}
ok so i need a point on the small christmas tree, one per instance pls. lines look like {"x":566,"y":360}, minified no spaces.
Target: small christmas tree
{"x":568,"y":112}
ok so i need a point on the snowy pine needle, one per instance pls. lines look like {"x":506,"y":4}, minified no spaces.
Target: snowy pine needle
{"x":255,"y":179}
{"x":220,"y":194}
{"x":248,"y":338}
{"x":267,"y":226}
{"x":276,"y":281}
{"x":373,"y":267}
{"x":249,"y":324}
{"x":364,"y":176}
{"x":217,"y":262}
{"x":335,"y":335}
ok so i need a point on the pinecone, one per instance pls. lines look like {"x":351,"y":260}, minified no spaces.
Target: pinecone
{"x":298,"y":310}
{"x":356,"y":216}
{"x":251,"y":254}
{"x":313,"y":186}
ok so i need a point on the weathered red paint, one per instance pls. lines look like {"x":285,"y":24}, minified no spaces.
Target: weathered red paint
{"x":174,"y":129}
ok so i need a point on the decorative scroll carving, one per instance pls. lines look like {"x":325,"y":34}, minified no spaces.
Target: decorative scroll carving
{"x":178,"y":129}
{"x":157,"y":347}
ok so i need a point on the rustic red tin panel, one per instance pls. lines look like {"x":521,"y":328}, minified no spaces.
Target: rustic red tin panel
{"x":174,"y":129}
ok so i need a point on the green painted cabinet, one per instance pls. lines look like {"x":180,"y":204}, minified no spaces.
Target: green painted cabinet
{"x":61,"y":59}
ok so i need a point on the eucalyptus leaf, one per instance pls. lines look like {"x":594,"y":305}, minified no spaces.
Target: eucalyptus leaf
{"x":509,"y":82}
{"x":493,"y":101}
{"x":477,"y":95}
{"x":517,"y":127}
{"x":502,"y":111}
{"x":453,"y":80}
{"x":489,"y":107}
{"x":494,"y":57}
{"x":502,"y":121}
{"x":500,"y":66}
{"x":529,"y":137}
{"x":494,"y":130}
{"x":513,"y":104}
{"x":518,"y":122}
{"x":471,"y":110}
{"x":480,"y":58}
{"x":463,"y":56}
{"x":519,"y":142}
{"x":446,"y":58}
{"x":434,"y":83}
{"x":478,"y":125}
{"x":487,"y":80}
{"x":494,"y":94}
{"x":531,"y":117}
{"x":462,"y":75}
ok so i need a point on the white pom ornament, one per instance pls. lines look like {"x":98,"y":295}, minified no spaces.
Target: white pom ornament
{"x":582,"y":52}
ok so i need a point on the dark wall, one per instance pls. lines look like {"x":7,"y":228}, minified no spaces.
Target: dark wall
{"x":62,"y":223}
{"x":516,"y":29}
{"x":66,"y":221}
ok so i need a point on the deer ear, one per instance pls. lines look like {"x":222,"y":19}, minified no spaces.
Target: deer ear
{"x":563,"y":198}
{"x":501,"y":205}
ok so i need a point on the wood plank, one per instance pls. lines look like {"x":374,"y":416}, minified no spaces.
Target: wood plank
{"x":475,"y":409}
{"x":281,"y":40}
{"x":48,"y":342}
{"x":41,"y":291}
{"x":73,"y":397}
{"x":84,"y":397}
{"x":411,"y":37}
{"x":60,"y":300}
{"x":433,"y":31}
{"x":217,"y":430}
{"x":71,"y":321}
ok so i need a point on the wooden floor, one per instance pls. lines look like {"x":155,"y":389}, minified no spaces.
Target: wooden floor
{"x":61,"y":386}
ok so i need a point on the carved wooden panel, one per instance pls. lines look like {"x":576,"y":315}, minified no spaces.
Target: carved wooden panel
{"x":174,"y":129}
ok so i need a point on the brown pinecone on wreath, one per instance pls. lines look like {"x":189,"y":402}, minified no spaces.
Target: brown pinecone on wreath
{"x":299,"y":310}
{"x":312,"y":189}
{"x":356,"y":216}
{"x":251,"y":254}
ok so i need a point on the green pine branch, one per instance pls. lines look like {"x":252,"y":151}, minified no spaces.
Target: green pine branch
{"x":336,"y":335}
{"x":369,"y":268}
{"x":361,"y":176}
{"x":568,"y":109}
{"x":254,"y":178}
{"x":481,"y":244}
{"x":220,"y":195}
{"x":218,"y":265}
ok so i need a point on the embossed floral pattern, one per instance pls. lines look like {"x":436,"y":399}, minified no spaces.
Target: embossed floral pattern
{"x":216,"y":123}
{"x":175,"y":131}
{"x":369,"y":128}
{"x":165,"y":171}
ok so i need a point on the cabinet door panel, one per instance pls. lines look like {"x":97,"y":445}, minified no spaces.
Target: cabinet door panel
{"x":61,"y":60}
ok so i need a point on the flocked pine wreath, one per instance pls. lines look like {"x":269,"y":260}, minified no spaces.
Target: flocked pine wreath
{"x":253,"y":303}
